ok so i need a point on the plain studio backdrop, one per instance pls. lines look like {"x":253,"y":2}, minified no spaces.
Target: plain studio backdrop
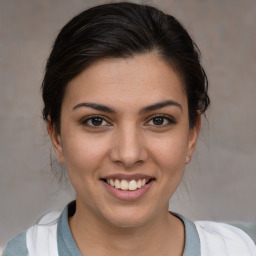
{"x":218,"y":185}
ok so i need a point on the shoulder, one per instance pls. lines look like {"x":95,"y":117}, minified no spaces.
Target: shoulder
{"x":17,"y":246}
{"x":35,"y":238}
{"x":220,"y":237}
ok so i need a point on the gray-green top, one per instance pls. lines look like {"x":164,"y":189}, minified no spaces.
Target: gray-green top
{"x":68,"y":247}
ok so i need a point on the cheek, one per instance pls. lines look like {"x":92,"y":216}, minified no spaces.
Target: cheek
{"x":171,"y":148}
{"x":170,"y":154}
{"x":83,"y":154}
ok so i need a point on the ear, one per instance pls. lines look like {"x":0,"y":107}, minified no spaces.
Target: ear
{"x":193,"y":135}
{"x":56,"y":140}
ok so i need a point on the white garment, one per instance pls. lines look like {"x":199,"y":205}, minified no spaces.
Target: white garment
{"x":216,"y":239}
{"x":42,"y":237}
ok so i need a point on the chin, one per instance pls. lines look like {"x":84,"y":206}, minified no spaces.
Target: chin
{"x":127,"y":218}
{"x":127,"y":222}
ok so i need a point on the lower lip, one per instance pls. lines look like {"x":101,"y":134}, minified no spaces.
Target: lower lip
{"x":128,"y":195}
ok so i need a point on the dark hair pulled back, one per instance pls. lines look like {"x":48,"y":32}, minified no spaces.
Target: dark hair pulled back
{"x":122,"y":30}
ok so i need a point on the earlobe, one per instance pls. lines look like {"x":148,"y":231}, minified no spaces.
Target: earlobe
{"x":193,"y":135}
{"x":56,"y":141}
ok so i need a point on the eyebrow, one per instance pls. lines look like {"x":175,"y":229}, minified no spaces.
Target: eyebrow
{"x":160,"y":105}
{"x":144,"y":110}
{"x":95,"y":106}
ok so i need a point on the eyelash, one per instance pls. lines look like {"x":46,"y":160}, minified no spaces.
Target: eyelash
{"x":90,"y":118}
{"x":168,"y":119}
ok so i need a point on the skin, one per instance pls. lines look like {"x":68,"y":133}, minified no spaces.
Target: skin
{"x":127,"y":141}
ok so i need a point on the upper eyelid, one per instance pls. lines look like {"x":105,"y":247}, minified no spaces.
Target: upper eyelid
{"x":161,"y":115}
{"x":95,"y":116}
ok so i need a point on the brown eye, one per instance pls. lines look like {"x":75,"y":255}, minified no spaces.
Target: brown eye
{"x":161,"y":120}
{"x":158,"y":120}
{"x":95,"y":121}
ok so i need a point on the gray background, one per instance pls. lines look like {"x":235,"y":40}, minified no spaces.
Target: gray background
{"x":220,"y":182}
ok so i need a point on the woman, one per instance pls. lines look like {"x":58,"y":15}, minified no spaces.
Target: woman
{"x":123,"y":95}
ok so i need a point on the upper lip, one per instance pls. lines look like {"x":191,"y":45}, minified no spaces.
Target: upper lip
{"x":122,"y":176}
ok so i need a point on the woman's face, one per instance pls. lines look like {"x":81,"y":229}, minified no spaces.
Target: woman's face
{"x":125,"y":122}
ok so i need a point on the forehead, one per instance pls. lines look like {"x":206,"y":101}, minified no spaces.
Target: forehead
{"x":137,"y":80}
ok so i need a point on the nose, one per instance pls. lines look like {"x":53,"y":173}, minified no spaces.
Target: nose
{"x":128,"y":147}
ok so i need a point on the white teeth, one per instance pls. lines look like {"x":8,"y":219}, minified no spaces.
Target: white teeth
{"x":139,"y":184}
{"x":117,"y":183}
{"x":124,"y":185}
{"x":127,"y":185}
{"x":132,"y":185}
{"x":112,"y":182}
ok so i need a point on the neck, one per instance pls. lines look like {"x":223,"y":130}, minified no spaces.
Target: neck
{"x":163,"y":235}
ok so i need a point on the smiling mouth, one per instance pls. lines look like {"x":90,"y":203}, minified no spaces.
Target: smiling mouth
{"x":130,"y":185}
